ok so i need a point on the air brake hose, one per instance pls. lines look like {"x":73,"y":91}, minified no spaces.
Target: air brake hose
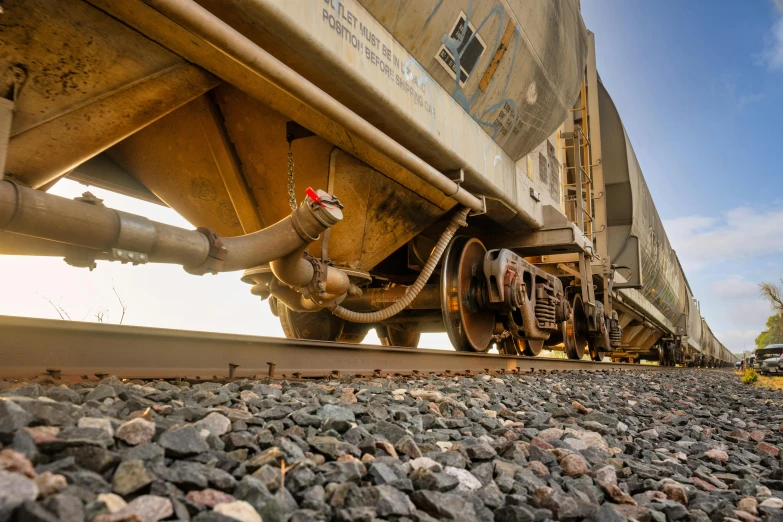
{"x":458,"y":220}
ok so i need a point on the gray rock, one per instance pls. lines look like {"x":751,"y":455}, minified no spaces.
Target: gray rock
{"x":12,"y":418}
{"x":253,"y":491}
{"x":388,"y":501}
{"x":406,"y":446}
{"x":331,"y":411}
{"x":66,"y":507}
{"x":389,"y":431}
{"x":514,"y":514}
{"x":444,"y":506}
{"x":423,"y":478}
{"x":15,"y":488}
{"x":32,"y":512}
{"x":131,"y":476}
{"x":182,"y":442}
{"x":100,"y":392}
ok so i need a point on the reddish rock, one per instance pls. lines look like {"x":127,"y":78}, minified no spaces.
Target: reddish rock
{"x":717,"y":454}
{"x":740,"y":435}
{"x":574,"y":465}
{"x":769,"y":449}
{"x":703,"y":484}
{"x":209,"y":497}
{"x":605,"y":476}
{"x":434,"y":409}
{"x":580,"y":407}
{"x":14,"y":461}
{"x":541,"y":443}
{"x":618,"y":495}
{"x":758,"y":436}
{"x":43,"y":433}
{"x":387,"y":447}
{"x":347,"y":458}
{"x":539,"y":468}
{"x":676,"y":493}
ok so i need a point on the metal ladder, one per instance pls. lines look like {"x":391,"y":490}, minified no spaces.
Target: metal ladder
{"x":578,"y":191}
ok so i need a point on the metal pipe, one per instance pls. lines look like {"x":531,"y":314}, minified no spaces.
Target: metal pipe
{"x":297,"y":272}
{"x":34,"y":213}
{"x":293,"y":269}
{"x":380,"y":298}
{"x":293,"y":299}
{"x":19,"y":245}
{"x":201,"y":22}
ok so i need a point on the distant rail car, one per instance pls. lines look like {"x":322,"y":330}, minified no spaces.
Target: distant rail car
{"x":408,"y":167}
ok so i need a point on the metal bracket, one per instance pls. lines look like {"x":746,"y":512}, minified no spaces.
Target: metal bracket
{"x":457,"y":176}
{"x":217,"y":253}
{"x":535,"y":194}
{"x":483,"y":209}
{"x":294,"y":131}
{"x":6,"y":117}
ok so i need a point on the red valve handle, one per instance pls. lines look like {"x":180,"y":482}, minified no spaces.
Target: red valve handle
{"x":312,"y":195}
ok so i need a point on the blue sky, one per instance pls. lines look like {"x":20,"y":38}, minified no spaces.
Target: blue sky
{"x":699,"y":85}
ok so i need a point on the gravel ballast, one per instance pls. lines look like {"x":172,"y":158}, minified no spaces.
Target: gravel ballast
{"x":635,"y":445}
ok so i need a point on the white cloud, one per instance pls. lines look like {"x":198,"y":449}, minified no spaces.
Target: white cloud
{"x":737,"y":340}
{"x":741,"y":233}
{"x":732,"y":86}
{"x":735,"y":288}
{"x":773,"y":54}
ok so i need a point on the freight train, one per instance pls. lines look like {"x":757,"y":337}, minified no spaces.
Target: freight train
{"x":411,"y":166}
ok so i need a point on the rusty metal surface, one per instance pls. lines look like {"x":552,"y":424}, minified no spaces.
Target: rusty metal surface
{"x":30,"y":347}
{"x":173,"y":157}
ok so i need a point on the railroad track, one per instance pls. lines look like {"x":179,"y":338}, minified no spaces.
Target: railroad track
{"x":69,"y":351}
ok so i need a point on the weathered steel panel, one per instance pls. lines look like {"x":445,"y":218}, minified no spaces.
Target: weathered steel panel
{"x":520,"y":98}
{"x":350,"y":55}
{"x":631,"y":212}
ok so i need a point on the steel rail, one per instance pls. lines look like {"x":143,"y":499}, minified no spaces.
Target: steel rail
{"x":32,"y":347}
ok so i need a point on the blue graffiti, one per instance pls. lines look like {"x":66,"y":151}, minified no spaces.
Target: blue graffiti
{"x":434,"y":10}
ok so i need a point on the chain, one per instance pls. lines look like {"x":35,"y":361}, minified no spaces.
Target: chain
{"x":291,"y":193}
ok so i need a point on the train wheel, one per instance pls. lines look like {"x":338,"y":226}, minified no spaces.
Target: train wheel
{"x":576,"y":330}
{"x":354,"y":332}
{"x":468,"y":326}
{"x":394,"y":337}
{"x":596,"y":353}
{"x":313,"y":326}
{"x":525,"y":347}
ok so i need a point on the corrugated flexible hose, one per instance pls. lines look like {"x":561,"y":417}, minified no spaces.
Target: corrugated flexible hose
{"x":458,"y":220}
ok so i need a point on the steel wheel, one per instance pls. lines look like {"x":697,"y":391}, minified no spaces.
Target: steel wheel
{"x":596,"y":353}
{"x":394,"y":337}
{"x":354,"y":332}
{"x":313,"y":326}
{"x":526,"y":347}
{"x":469,"y":327}
{"x":576,"y":330}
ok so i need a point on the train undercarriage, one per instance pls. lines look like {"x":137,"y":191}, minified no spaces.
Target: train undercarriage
{"x":434,"y":206}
